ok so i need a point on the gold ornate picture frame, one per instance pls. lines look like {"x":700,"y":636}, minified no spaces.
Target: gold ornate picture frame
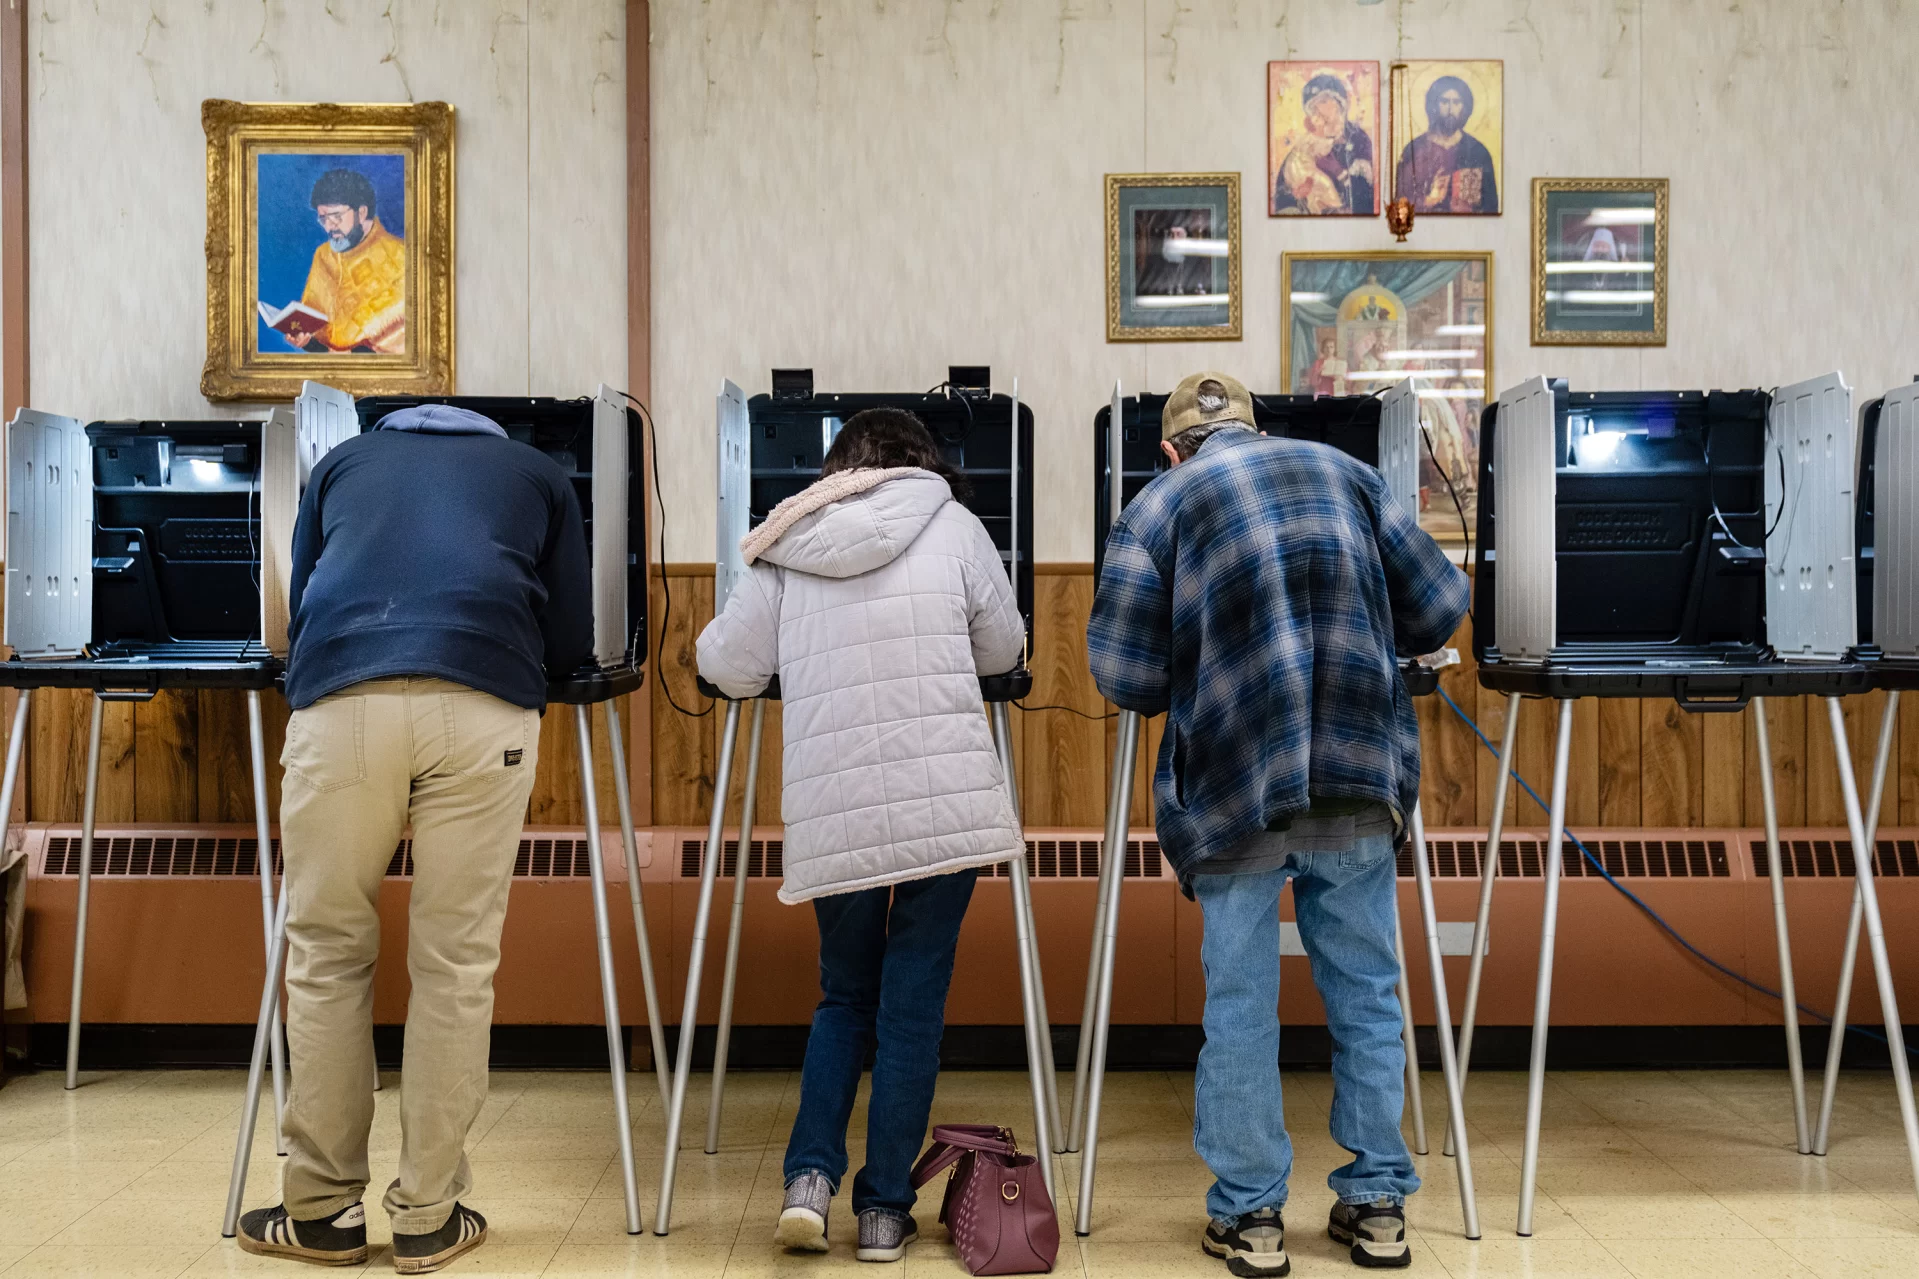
{"x":329,"y":248}
{"x":1599,"y":261}
{"x":1172,"y":257}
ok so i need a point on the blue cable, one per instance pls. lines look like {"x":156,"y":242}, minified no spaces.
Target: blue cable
{"x":1636,"y":900}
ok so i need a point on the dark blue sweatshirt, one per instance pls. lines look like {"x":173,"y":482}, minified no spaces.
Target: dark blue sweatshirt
{"x":434,"y":545}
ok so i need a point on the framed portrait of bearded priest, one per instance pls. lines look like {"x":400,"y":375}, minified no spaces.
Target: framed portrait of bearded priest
{"x":329,"y":248}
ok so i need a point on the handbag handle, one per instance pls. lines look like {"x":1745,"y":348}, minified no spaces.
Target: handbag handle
{"x":953,"y":1141}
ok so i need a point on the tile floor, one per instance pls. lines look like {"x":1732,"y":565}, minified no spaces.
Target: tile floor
{"x":1642,"y":1174}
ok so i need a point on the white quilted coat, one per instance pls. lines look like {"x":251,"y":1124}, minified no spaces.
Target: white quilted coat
{"x":878,"y":600}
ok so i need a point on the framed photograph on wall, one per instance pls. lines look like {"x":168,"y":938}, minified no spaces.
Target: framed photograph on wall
{"x":329,"y":248}
{"x":1322,"y":138}
{"x":1356,"y":323}
{"x":1172,"y":257}
{"x":1449,"y":135}
{"x":1599,"y":261}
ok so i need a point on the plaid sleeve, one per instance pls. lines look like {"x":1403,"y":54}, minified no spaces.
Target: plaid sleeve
{"x":1428,"y":593}
{"x":1129,"y":638}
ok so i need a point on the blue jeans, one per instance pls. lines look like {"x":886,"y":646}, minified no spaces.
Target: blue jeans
{"x":886,"y":961}
{"x":1346,"y":906}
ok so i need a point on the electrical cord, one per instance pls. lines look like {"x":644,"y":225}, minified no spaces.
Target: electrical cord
{"x":1636,"y":900}
{"x":1070,"y":710}
{"x":666,"y":589}
{"x":1465,"y":529}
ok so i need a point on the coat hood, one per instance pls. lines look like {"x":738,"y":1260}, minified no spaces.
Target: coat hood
{"x":439,"y":419}
{"x":849,"y":523}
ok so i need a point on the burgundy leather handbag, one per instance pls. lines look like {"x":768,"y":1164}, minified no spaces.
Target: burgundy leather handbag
{"x":996,"y":1206}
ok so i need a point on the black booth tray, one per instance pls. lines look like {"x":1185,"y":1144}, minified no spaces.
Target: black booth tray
{"x":1010,"y":687}
{"x":593,"y":687}
{"x":1901,"y":673}
{"x":1703,"y":687}
{"x":140,"y":676}
{"x":1420,"y":681}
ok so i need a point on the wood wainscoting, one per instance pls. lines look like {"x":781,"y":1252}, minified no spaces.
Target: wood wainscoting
{"x":183,"y":756}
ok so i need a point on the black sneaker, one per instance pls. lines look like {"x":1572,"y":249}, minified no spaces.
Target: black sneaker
{"x":1255,"y":1247}
{"x":884,"y":1236}
{"x":339,"y":1240}
{"x":1377,"y":1232}
{"x":464,"y":1231}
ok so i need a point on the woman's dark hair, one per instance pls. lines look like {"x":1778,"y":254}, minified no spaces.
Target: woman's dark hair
{"x":879,"y":438}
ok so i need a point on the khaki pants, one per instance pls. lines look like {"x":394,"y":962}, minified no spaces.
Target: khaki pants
{"x":359,"y":766}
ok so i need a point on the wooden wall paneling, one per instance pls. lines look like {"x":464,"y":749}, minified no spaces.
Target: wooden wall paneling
{"x":555,"y":800}
{"x":766,"y":803}
{"x":1671,"y":752}
{"x":223,"y":778}
{"x":166,"y":750}
{"x":1538,"y":727}
{"x":1723,"y":761}
{"x":275,"y":712}
{"x":1786,"y":736}
{"x":1582,"y":781}
{"x":1452,"y":756}
{"x":1066,"y":761}
{"x":1863,"y":718}
{"x":1907,"y":789}
{"x":1823,"y":805}
{"x":1619,"y":763}
{"x":1489,"y":709}
{"x":685,"y":746}
{"x":57,"y":728}
{"x":1152,"y":732}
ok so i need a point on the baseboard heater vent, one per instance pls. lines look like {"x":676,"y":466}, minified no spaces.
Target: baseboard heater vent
{"x":1046,"y":858}
{"x":232,"y":857}
{"x":1832,"y":859}
{"x":1677,"y":857}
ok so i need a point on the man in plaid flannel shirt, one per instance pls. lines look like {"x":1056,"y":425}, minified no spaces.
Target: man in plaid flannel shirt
{"x":1260,"y":593}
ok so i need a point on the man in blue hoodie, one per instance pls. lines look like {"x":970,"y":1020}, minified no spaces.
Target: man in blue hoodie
{"x":439,"y":576}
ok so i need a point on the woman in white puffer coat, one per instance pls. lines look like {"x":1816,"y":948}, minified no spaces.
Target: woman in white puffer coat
{"x":879,"y":600}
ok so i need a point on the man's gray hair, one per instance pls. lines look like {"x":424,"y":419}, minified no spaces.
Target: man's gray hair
{"x":1187,"y":442}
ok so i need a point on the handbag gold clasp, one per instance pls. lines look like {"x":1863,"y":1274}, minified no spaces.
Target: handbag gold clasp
{"x":1009,"y":1191}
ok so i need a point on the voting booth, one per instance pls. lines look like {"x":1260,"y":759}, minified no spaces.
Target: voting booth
{"x":768,"y":448}
{"x":1708,"y":541}
{"x":133,"y":566}
{"x":1382,"y":431}
{"x":599,"y":442}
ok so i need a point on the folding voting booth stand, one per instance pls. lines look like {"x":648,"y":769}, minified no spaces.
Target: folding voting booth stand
{"x":1798,"y":621}
{"x":1385,"y":433}
{"x":1888,"y":548}
{"x":86,"y":505}
{"x":755,"y":471}
{"x":609,"y":478}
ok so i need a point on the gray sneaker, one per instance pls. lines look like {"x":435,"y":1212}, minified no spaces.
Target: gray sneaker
{"x":1376,"y":1231}
{"x":1252,"y":1248}
{"x":803,"y":1215}
{"x":884,"y":1235}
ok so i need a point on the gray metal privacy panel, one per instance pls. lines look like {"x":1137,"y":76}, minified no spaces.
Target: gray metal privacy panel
{"x":1811,"y":592}
{"x":1399,"y":443}
{"x":49,"y":535}
{"x":1895,"y":517}
{"x":612,"y":557}
{"x":735,"y":491}
{"x":1527,"y":584}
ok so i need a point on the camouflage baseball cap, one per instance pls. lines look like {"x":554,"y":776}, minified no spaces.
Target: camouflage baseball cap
{"x":1204,"y":398}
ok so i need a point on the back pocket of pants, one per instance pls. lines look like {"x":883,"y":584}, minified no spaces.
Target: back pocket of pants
{"x":326,"y":744}
{"x":485,"y":734}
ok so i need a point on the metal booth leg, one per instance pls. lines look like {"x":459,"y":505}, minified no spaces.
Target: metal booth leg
{"x":1543,"y":993}
{"x":1888,"y":725}
{"x":724,"y":1032}
{"x":1488,"y":868}
{"x":695,"y":961}
{"x":86,"y":880}
{"x":1875,"y":935}
{"x":609,"y":992}
{"x":1125,"y":759}
{"x":1032,"y":1001}
{"x":1414,"y":1101}
{"x":256,"y":743}
{"x":621,"y":793}
{"x":1443,"y":1018}
{"x":1113,"y":860}
{"x":250,"y":1111}
{"x":1003,"y":727}
{"x":1789,"y":996}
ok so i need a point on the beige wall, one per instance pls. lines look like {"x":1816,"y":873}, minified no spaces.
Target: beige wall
{"x":118,"y":178}
{"x":877,"y":188}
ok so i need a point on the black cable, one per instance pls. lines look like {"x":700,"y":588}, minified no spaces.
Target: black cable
{"x":966,"y":404}
{"x":1465,"y":529}
{"x":1070,"y":710}
{"x":666,"y":590}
